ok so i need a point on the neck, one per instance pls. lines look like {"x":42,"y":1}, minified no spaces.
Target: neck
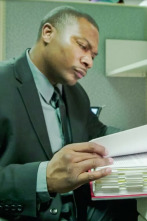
{"x":37,"y":57}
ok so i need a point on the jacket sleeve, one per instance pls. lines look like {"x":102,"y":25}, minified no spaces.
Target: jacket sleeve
{"x":17,"y":181}
{"x":94,"y":126}
{"x":97,"y":129}
{"x":18,"y":189}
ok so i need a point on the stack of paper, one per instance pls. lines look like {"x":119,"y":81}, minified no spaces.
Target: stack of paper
{"x":129,"y":172}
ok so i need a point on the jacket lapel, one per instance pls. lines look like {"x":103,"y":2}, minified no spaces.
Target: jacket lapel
{"x":30,"y":97}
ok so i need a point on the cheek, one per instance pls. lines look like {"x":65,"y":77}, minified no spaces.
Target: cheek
{"x":68,"y":55}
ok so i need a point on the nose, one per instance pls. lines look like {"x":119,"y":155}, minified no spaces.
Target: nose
{"x":87,"y":61}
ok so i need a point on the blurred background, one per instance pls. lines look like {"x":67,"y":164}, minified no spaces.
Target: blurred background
{"x":123,"y":98}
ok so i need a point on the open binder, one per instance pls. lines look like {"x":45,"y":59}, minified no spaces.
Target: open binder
{"x":129,"y":170}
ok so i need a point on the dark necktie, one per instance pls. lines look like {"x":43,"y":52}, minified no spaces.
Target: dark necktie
{"x":57,"y":102}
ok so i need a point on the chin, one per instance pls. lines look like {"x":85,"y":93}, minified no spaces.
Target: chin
{"x":71,"y":83}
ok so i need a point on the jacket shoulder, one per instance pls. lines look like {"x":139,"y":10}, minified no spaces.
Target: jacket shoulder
{"x":78,"y":95}
{"x":6,"y":66}
{"x":78,"y":89}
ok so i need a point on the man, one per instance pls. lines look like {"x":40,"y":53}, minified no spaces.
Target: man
{"x":35,"y":173}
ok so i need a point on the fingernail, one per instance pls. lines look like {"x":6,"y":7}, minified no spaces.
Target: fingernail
{"x":108,"y":170}
{"x":106,"y":152}
{"x":110,"y":160}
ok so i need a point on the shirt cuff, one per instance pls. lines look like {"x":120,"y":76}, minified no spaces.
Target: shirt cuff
{"x":41,"y":188}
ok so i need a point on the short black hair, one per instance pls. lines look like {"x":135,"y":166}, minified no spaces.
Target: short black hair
{"x":63,"y":15}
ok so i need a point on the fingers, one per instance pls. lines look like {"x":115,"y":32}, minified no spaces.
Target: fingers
{"x":95,"y":175}
{"x":84,"y":151}
{"x":94,"y":162}
{"x":68,"y":168}
{"x":87,"y":156}
{"x":89,"y":147}
{"x":81,"y":156}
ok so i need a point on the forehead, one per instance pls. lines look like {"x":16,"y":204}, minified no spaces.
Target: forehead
{"x":89,"y":32}
{"x":82,"y":29}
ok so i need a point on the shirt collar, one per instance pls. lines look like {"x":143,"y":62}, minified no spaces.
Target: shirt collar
{"x":43,"y":85}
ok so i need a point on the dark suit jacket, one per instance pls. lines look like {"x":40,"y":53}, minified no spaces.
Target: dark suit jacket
{"x":24,"y":141}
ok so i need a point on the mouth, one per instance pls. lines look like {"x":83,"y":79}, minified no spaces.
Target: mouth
{"x":80,"y":73}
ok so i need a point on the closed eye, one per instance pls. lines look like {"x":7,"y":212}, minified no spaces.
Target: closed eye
{"x":86,"y":47}
{"x":83,"y":46}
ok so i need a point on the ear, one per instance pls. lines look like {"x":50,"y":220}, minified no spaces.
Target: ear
{"x":48,"y":32}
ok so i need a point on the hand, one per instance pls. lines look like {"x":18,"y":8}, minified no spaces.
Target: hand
{"x":69,"y":167}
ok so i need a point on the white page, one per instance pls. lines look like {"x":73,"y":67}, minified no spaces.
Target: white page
{"x":134,"y":160}
{"x":130,"y":161}
{"x":126,"y":142}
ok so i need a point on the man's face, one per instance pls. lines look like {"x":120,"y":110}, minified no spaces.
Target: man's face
{"x":70,"y":53}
